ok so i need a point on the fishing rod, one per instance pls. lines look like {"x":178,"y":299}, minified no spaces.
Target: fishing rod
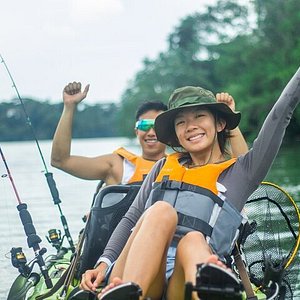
{"x":49,"y":175}
{"x":33,"y":239}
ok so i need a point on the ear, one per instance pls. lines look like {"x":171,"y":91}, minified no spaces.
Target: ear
{"x":221,"y":125}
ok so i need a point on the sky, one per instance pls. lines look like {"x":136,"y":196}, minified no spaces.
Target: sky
{"x":49,"y":43}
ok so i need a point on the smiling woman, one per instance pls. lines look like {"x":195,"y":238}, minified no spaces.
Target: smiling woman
{"x":182,"y":207}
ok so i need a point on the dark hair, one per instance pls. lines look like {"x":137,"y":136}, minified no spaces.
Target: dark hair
{"x":150,"y":105}
{"x":222,"y":136}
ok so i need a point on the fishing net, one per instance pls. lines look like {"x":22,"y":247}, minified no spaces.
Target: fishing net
{"x":275,"y":241}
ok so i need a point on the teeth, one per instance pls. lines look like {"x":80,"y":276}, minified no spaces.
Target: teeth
{"x":151,"y":141}
{"x":196,"y":137}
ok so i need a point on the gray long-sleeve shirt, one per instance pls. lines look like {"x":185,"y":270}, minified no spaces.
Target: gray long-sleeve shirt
{"x":240,"y":180}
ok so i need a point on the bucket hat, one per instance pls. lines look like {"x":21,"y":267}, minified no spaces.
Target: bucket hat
{"x":191,"y":96}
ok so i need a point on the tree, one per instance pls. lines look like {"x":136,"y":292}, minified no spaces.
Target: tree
{"x":222,"y":50}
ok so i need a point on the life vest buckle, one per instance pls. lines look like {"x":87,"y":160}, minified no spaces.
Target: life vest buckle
{"x":172,"y":185}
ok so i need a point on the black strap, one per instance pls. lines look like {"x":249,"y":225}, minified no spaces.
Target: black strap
{"x":182,"y":186}
{"x":194,"y":223}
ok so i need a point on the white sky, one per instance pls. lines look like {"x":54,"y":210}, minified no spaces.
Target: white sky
{"x":48,"y":43}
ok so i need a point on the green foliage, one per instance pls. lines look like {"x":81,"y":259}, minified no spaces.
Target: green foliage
{"x":90,"y":121}
{"x":221,"y":51}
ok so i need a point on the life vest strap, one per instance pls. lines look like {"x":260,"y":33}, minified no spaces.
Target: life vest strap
{"x":194,"y":223}
{"x":182,"y":186}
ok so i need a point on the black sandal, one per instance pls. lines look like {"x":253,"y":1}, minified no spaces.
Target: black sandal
{"x":217,"y":283}
{"x":78,"y":294}
{"x":124,"y":291}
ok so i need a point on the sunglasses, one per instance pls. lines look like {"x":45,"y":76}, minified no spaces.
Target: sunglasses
{"x":144,"y":124}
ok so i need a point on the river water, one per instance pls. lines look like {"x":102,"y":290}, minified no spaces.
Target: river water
{"x":76,"y":195}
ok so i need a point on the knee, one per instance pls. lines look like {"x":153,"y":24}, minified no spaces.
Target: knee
{"x":162,"y":213}
{"x":192,"y":238}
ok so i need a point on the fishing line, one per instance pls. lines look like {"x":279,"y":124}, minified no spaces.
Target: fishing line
{"x":49,"y":176}
{"x":10,"y":177}
{"x":33,"y":239}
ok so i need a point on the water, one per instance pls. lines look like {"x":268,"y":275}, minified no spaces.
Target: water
{"x":27,"y":170}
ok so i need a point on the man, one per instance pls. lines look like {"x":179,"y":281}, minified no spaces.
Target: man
{"x":119,"y":167}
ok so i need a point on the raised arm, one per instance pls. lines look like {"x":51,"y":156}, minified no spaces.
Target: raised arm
{"x":252,"y":168}
{"x":237,"y":141}
{"x":105,"y":167}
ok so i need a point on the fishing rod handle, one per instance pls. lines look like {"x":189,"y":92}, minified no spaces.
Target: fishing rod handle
{"x":33,"y":239}
{"x":52,"y":187}
{"x":56,"y":200}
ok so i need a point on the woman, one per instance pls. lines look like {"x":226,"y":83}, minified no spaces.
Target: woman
{"x":194,"y":197}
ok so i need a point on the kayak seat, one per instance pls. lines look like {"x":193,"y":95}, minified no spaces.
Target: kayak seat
{"x":110,"y":205}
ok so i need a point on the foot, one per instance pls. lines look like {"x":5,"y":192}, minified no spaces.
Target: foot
{"x":213,"y":259}
{"x":215,"y":281}
{"x":115,"y":282}
{"x":118,"y":290}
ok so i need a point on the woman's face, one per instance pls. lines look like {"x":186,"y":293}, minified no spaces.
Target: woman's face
{"x":196,"y":129}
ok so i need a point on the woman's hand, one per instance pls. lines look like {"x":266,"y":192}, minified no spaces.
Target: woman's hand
{"x":91,"y":279}
{"x":227,"y":99}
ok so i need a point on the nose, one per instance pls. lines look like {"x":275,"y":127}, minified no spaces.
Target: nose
{"x":151,"y":131}
{"x":190,"y":125}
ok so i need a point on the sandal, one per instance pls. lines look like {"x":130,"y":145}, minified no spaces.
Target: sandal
{"x":78,"y":294}
{"x":217,"y":283}
{"x":124,"y":291}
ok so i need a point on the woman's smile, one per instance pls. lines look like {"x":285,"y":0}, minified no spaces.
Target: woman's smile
{"x":196,"y":137}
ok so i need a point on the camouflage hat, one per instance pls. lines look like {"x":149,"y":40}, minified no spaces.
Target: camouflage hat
{"x":190,"y":96}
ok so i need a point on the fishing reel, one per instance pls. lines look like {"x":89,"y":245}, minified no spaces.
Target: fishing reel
{"x":19,"y":261}
{"x":54,"y":238}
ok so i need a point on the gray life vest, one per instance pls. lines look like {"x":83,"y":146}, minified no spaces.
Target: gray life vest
{"x":199,"y":202}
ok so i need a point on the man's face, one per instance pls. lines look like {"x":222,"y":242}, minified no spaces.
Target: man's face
{"x":152,"y":149}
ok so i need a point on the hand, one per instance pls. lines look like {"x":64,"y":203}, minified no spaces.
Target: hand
{"x":227,"y":99}
{"x":91,"y":279}
{"x":72,"y":93}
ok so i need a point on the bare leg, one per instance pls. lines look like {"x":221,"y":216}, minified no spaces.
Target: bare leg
{"x":118,"y":268}
{"x":143,"y":259}
{"x":192,"y":250}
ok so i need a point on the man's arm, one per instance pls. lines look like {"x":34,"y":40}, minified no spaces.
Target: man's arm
{"x":237,"y":141}
{"x":105,"y":167}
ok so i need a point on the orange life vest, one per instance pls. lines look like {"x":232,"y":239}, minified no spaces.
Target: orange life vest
{"x":142,"y":166}
{"x":205,"y":176}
